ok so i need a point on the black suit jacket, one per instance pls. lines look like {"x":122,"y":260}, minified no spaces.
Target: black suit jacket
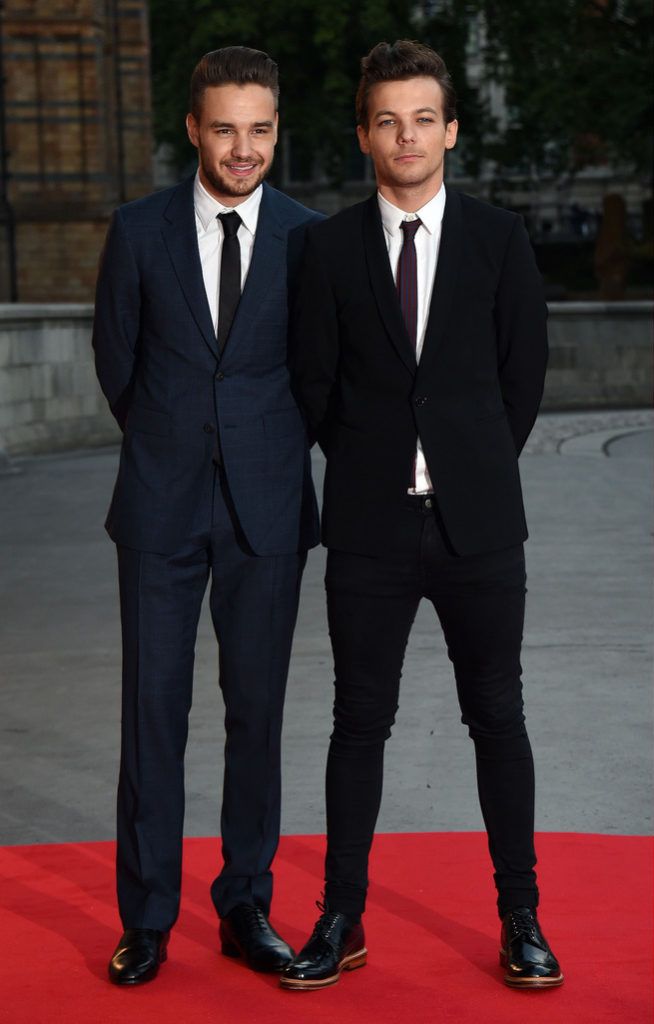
{"x":472,"y":399}
{"x":173,"y":393}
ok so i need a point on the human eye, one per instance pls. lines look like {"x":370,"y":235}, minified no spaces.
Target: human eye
{"x":386,"y":122}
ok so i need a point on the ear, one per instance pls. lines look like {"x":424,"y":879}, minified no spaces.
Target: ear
{"x":364,"y":143}
{"x":451,"y":132}
{"x":192,"y":130}
{"x":276,"y":128}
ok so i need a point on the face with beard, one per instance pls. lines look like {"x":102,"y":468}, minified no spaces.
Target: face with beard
{"x":235,"y":137}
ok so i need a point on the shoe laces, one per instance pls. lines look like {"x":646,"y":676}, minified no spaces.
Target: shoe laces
{"x":525,"y":926}
{"x":256,"y":917}
{"x":328,"y":920}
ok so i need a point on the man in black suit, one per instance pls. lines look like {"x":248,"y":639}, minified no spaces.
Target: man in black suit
{"x":419,"y":357}
{"x":214,"y":480}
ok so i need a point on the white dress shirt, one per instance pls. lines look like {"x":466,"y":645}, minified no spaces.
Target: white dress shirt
{"x":210,"y":237}
{"x":427,"y":242}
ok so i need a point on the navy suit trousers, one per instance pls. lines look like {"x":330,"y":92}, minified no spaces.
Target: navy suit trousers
{"x":253,"y":603}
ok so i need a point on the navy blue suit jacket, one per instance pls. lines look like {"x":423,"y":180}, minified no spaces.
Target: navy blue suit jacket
{"x":173,"y":394}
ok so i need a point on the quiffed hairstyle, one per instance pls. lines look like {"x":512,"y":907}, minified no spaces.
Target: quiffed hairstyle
{"x":397,"y":62}
{"x":232,"y":65}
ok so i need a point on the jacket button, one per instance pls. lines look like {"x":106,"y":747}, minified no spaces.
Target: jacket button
{"x":220,"y":375}
{"x":420,"y":400}
{"x":208,"y":428}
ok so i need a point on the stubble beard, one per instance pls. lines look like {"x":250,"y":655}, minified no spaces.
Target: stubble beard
{"x":232,"y":188}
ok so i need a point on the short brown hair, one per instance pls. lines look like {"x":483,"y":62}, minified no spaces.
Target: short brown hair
{"x":397,"y":62}
{"x":232,"y":65}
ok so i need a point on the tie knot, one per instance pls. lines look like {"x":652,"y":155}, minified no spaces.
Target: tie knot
{"x":409,"y":227}
{"x":231,"y":222}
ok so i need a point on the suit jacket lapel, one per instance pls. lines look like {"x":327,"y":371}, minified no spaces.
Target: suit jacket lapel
{"x":268,"y":258}
{"x":383,"y":283}
{"x":449,"y":257}
{"x":181,"y":240}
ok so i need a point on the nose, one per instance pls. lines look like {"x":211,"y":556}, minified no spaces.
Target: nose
{"x":405,"y":133}
{"x":241,"y":145}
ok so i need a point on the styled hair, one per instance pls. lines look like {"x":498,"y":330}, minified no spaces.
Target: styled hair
{"x":397,"y":62}
{"x":232,"y":65}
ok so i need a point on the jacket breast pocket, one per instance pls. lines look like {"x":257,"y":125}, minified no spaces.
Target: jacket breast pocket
{"x":148,"y":421}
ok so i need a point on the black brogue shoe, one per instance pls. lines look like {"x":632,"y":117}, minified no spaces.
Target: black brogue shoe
{"x":336,"y":944}
{"x":525,"y":953}
{"x":137,"y":956}
{"x":246,"y":932}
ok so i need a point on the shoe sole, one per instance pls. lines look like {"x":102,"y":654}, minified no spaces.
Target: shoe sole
{"x":348,"y":963}
{"x":536,"y":981}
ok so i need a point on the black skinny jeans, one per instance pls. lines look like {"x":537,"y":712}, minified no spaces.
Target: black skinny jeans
{"x":372,"y":603}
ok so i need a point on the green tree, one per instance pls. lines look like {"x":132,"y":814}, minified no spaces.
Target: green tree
{"x":576,"y":73}
{"x":577,"y":80}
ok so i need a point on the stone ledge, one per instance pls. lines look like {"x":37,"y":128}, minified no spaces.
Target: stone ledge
{"x":631,"y":308}
{"x":19,"y":312}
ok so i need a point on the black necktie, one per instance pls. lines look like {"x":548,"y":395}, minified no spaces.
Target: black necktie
{"x":407,"y":278}
{"x":230,"y":275}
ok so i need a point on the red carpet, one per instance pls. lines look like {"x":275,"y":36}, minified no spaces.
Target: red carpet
{"x":432,"y":938}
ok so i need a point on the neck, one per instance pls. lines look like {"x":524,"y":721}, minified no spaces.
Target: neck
{"x":410,"y":198}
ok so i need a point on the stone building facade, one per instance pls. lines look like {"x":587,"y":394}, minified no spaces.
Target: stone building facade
{"x":77,"y":134}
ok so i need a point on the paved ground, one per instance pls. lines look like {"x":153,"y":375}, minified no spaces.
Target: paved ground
{"x":587,"y":657}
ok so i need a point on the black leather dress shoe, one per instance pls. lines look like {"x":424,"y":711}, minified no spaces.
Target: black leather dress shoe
{"x":246,"y":932}
{"x":137,"y":956}
{"x":525,"y":953}
{"x":336,"y":944}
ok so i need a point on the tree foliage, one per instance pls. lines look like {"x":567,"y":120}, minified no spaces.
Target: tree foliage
{"x":577,"y":79}
{"x":576,"y":72}
{"x":318,"y":45}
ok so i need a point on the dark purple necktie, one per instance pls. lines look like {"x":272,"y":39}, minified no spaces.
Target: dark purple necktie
{"x":229,"y":292}
{"x":407,"y":289}
{"x":407,"y":278}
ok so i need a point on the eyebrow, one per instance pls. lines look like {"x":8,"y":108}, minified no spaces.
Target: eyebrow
{"x":230,"y":124}
{"x":420,"y":110}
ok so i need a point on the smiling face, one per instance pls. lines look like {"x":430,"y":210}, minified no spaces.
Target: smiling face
{"x":406,"y":138}
{"x":235,"y":137}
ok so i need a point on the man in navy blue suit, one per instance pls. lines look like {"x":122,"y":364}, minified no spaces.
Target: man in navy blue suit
{"x":190,"y":338}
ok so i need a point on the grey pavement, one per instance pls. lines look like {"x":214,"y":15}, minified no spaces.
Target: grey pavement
{"x":587,"y":657}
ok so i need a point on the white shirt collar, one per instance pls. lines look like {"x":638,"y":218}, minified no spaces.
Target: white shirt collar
{"x":207,"y":208}
{"x":431,"y":214}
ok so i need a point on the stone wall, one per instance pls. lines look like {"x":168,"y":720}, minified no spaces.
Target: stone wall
{"x":49,"y":395}
{"x":600,"y":355}
{"x":50,"y":400}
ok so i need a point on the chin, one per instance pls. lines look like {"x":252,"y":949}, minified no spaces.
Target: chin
{"x":409,"y":181}
{"x":241,"y":188}
{"x":234,"y":187}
